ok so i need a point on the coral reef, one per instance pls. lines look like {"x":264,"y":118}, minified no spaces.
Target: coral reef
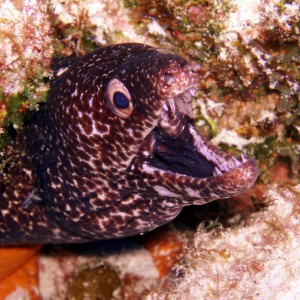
{"x":250,"y":50}
{"x":82,"y":26}
{"x":25,"y":56}
{"x":126,"y":262}
{"x":258,"y":260}
{"x":249,"y":102}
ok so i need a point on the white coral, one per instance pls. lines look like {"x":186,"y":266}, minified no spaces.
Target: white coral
{"x":257,"y":261}
{"x":26,"y":42}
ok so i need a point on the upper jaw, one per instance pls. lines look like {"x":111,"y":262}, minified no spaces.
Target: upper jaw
{"x":182,"y":103}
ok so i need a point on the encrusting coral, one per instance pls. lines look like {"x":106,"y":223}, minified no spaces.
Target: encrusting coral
{"x":25,"y":55}
{"x":250,"y":51}
{"x":258,"y":260}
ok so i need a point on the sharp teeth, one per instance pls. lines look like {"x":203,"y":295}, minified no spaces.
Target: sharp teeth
{"x":172,"y":105}
{"x":193,"y":92}
{"x":237,"y":162}
{"x":244,"y":158}
{"x":165,"y":106}
{"x":217,"y":171}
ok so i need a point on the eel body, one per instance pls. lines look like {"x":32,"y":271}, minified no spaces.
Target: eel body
{"x":113,"y":152}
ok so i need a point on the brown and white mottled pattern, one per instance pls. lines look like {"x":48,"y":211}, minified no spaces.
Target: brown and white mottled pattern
{"x":80,"y":172}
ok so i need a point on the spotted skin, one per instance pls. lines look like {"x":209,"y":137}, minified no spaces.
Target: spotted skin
{"x":80,"y":173}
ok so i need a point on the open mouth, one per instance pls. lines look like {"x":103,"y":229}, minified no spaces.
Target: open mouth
{"x":191,"y":155}
{"x":178,"y":155}
{"x":177,"y":148}
{"x":180,"y":149}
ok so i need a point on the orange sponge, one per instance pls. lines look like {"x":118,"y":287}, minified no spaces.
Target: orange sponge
{"x":19,"y":272}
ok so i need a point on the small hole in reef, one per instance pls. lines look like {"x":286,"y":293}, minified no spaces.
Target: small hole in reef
{"x":193,"y":215}
{"x":11,"y":131}
{"x":2,"y":188}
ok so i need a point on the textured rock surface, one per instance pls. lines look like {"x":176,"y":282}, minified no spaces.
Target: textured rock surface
{"x":258,"y":260}
{"x":25,"y":55}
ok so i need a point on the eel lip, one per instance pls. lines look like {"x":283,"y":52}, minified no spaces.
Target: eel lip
{"x":232,"y":182}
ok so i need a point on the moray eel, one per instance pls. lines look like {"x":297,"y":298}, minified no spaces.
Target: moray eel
{"x":113,"y":152}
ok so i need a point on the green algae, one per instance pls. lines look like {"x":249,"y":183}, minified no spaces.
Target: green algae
{"x":18,"y":106}
{"x":253,"y":69}
{"x":192,"y":26}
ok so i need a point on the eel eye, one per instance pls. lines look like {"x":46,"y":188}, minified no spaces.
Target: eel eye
{"x":118,"y":99}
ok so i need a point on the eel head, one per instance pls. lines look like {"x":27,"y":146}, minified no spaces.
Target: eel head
{"x":122,"y":153}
